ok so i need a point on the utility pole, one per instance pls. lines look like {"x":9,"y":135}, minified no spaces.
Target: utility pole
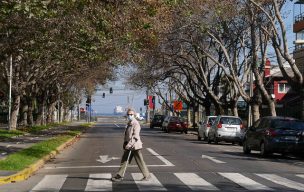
{"x":147,"y":108}
{"x":250,"y":94}
{"x":10,"y":92}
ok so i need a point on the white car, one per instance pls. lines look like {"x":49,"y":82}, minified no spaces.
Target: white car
{"x":203,"y":127}
{"x":226,"y":128}
{"x":138,"y":117}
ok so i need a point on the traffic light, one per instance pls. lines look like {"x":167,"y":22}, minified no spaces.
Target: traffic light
{"x":111,"y":90}
{"x":103,"y":95}
{"x":89,"y":100}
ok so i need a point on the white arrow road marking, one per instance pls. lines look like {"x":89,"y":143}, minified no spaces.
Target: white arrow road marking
{"x":105,"y":158}
{"x":212,"y":159}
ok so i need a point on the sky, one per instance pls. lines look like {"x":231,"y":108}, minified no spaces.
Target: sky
{"x":135,"y":98}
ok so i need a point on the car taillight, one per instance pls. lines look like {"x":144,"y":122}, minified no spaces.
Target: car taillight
{"x":219,"y":125}
{"x":270,"y":132}
{"x":241,"y":126}
{"x":208,"y":125}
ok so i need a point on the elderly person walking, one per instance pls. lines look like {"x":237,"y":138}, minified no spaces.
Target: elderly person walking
{"x":132,"y":148}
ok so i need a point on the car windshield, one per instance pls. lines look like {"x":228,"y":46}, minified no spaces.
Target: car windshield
{"x":230,"y":120}
{"x":288,"y":124}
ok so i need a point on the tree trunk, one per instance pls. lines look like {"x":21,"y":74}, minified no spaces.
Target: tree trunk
{"x":30,"y":119}
{"x":272,"y":109}
{"x":24,"y":115}
{"x":188,"y":115}
{"x":15,"y":113}
{"x":50,"y":114}
{"x":234,"y":110}
{"x":255,"y":112}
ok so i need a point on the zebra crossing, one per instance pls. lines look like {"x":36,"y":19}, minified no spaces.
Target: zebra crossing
{"x":185,"y":181}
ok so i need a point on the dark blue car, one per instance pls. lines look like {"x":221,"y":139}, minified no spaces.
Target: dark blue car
{"x":275,"y":135}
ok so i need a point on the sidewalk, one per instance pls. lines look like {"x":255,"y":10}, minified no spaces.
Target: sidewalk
{"x":9,"y":146}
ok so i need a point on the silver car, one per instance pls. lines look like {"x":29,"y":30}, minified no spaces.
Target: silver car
{"x":226,"y":128}
{"x":203,"y":127}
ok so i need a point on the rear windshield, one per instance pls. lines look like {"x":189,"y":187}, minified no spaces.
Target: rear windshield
{"x":287,"y":124}
{"x":231,"y":121}
{"x":211,"y":120}
{"x":174,"y":119}
{"x":158,"y":117}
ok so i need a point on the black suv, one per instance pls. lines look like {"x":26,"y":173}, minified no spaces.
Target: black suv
{"x":275,"y":135}
{"x":157,"y":121}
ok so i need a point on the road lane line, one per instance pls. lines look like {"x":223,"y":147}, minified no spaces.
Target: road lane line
{"x":245,"y":181}
{"x":152,"y":184}
{"x":116,"y":125}
{"x":102,"y":166}
{"x":194,"y":182}
{"x":283,"y":181}
{"x":99,"y":182}
{"x":167,"y":163}
{"x":50,"y":183}
{"x":212,"y":159}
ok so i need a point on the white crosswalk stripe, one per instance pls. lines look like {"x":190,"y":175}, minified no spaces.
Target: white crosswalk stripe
{"x":50,"y":183}
{"x":245,"y":181}
{"x":99,"y":182}
{"x":301,"y":175}
{"x":283,"y":181}
{"x":151,"y":185}
{"x":194,"y":182}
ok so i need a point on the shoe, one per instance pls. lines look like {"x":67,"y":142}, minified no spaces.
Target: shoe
{"x":146,"y":178}
{"x":117,"y":178}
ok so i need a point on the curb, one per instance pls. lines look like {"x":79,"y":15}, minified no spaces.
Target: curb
{"x":27,"y":172}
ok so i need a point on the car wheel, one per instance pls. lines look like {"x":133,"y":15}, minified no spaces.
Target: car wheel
{"x":246,"y":149}
{"x":205,"y":137}
{"x":215,"y":140}
{"x":209,"y":139}
{"x":151,"y":127}
{"x":186,"y":131}
{"x":263,"y":150}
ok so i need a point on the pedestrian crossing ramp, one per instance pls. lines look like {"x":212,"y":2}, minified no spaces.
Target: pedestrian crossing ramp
{"x":220,"y":181}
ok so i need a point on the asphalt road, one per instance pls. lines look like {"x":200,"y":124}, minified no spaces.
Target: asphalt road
{"x":178,"y":162}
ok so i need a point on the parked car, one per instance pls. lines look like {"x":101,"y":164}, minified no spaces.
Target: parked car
{"x":139,"y":117}
{"x":275,"y":135}
{"x":174,"y":123}
{"x":157,"y":121}
{"x":226,"y":128}
{"x":203,"y":128}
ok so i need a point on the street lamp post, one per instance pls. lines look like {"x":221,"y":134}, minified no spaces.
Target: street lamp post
{"x":10,"y":92}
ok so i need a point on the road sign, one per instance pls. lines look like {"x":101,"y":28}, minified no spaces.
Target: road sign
{"x":177,"y":105}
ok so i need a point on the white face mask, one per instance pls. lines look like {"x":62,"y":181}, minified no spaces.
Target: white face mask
{"x":130,"y":117}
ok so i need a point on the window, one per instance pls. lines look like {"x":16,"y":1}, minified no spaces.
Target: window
{"x":283,"y":87}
